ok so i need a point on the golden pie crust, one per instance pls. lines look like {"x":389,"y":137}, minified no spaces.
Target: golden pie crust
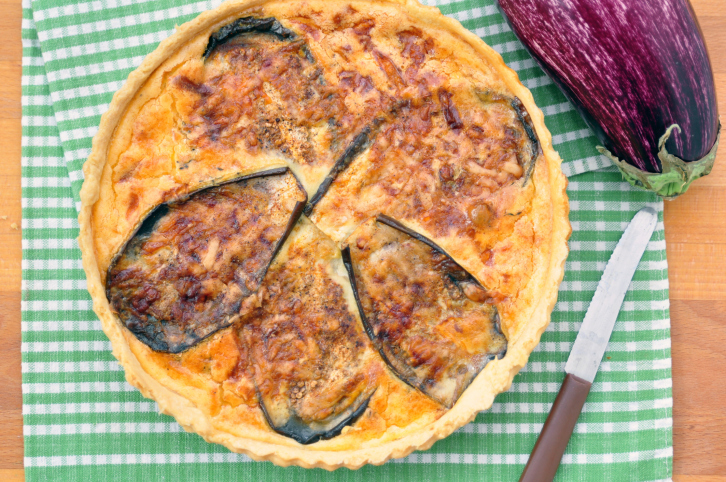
{"x":156,"y":145}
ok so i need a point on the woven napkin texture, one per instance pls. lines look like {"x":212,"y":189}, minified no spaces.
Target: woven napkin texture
{"x":84,"y":422}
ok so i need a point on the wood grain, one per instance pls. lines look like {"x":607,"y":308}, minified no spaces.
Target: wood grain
{"x":698,"y":339}
{"x":11,"y":419}
{"x":12,"y":475}
{"x":696,"y":243}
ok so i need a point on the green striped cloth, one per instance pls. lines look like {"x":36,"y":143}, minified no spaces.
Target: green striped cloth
{"x":84,"y":422}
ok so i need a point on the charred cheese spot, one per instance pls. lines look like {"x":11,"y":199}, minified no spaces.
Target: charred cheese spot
{"x":431,"y":320}
{"x":194,"y":266}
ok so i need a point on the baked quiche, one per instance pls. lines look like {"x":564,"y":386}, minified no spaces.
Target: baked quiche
{"x":323,"y":232}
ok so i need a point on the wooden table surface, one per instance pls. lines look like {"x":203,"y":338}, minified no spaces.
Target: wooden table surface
{"x":696,"y":242}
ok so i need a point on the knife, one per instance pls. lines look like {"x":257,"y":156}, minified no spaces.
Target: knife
{"x":589,"y":348}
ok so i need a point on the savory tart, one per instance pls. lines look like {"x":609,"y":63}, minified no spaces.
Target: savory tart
{"x":323,"y":232}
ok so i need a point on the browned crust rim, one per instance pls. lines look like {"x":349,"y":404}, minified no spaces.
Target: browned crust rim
{"x":496,"y":378}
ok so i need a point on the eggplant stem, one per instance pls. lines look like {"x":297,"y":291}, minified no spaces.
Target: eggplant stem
{"x":676,"y":174}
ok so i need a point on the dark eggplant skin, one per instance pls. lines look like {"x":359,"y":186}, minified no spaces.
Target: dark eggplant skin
{"x":245,"y":25}
{"x":305,"y":434}
{"x":535,"y":148}
{"x":633,"y":68}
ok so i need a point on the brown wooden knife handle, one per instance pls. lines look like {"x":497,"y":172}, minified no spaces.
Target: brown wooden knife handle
{"x":547,"y":453}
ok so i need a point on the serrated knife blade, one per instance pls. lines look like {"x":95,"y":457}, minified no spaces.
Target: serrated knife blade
{"x":589,"y":348}
{"x":594,"y":334}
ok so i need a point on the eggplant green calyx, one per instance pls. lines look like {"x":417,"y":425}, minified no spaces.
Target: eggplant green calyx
{"x":677,"y":174}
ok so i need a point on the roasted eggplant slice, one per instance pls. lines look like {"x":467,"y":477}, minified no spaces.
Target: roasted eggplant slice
{"x":263,"y":90}
{"x":430,"y":319}
{"x":248,"y":25}
{"x":315,"y":368}
{"x":192,"y":266}
{"x":528,"y":148}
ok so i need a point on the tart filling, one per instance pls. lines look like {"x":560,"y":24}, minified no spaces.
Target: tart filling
{"x":323,"y":233}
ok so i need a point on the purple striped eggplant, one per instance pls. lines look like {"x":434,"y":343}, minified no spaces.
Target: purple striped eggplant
{"x":639,"y":73}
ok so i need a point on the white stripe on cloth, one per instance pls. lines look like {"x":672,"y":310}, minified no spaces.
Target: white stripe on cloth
{"x":51,"y":264}
{"x":605,"y":366}
{"x":38,"y":120}
{"x":42,"y":161}
{"x":77,"y":387}
{"x":56,"y":305}
{"x":93,"y":407}
{"x":50,"y":243}
{"x":80,"y":133}
{"x":497,"y":407}
{"x":594,"y":163}
{"x":127,"y":21}
{"x":472,"y":428}
{"x":82,"y":112}
{"x":82,"y":7}
{"x":40,"y":141}
{"x":127,"y":63}
{"x":594,"y":407}
{"x":95,"y":48}
{"x":77,"y":154}
{"x":644,"y":285}
{"x":70,"y":367}
{"x":415,"y":458}
{"x":50,"y":223}
{"x":54,"y":284}
{"x":32,"y":100}
{"x":45,"y":182}
{"x":47,"y":202}
{"x":628,"y":306}
{"x":625,"y":326}
{"x":36,"y":326}
{"x":656,"y":246}
{"x":614,"y":205}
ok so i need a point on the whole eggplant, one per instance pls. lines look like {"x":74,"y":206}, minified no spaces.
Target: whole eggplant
{"x":639,"y":73}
